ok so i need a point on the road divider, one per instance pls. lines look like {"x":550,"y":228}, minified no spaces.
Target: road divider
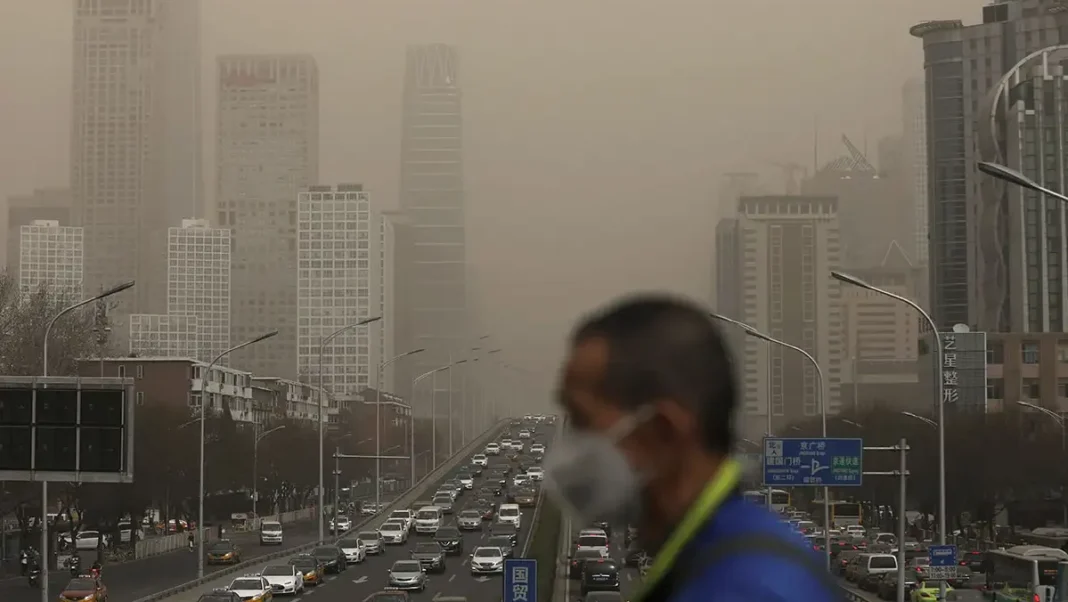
{"x":194,"y":589}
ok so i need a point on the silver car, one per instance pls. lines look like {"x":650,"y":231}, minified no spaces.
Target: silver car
{"x":444,"y":502}
{"x":372,"y":542}
{"x":469,"y":520}
{"x":407,"y":575}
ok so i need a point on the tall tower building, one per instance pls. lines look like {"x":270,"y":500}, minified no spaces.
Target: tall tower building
{"x":135,"y":156}
{"x":51,"y":255}
{"x":970,"y":276}
{"x":267,"y":152}
{"x":432,"y":197}
{"x":914,"y":161}
{"x":788,"y":246}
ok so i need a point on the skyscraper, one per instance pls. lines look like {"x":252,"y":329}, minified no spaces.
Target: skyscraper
{"x":788,"y":246}
{"x":51,"y":204}
{"x":135,"y":156}
{"x":267,"y":152}
{"x":432,"y":197}
{"x":914,"y":113}
{"x":51,"y":255}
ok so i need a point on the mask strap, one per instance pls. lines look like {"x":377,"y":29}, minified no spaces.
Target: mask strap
{"x":626,"y":425}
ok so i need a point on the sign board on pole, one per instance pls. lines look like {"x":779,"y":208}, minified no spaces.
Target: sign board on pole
{"x":821,"y":462}
{"x":943,"y":563}
{"x":520,"y":580}
{"x":69,"y":429}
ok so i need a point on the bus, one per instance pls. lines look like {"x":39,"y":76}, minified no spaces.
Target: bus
{"x":780,"y":499}
{"x":843,"y":513}
{"x":1025,"y":573}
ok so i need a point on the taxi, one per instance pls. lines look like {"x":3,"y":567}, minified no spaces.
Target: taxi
{"x":84,"y":588}
{"x":927,"y":592}
{"x":252,"y":588}
{"x":220,"y":594}
{"x":389,"y":595}
{"x":310,"y":567}
{"x":223,"y":551}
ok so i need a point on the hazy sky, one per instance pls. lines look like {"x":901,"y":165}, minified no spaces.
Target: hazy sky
{"x":596,"y":130}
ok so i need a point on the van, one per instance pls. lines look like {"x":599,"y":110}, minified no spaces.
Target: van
{"x":428,"y":519}
{"x":270,"y":533}
{"x":872,"y":567}
{"x":510,"y":513}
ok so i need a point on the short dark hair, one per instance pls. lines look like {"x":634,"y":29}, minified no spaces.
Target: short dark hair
{"x":665,"y":347}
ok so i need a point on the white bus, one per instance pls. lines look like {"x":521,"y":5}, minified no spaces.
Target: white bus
{"x":780,"y":499}
{"x":1023,"y":573}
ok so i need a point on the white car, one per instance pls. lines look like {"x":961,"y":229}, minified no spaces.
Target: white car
{"x":343,"y":524}
{"x":506,"y":444}
{"x":88,"y":540}
{"x":467,"y":481}
{"x":403,"y":515}
{"x":270,"y":533}
{"x":536,"y":473}
{"x":592,"y":539}
{"x":480,"y":460}
{"x":537,"y":448}
{"x":252,"y":587}
{"x":510,"y":514}
{"x":493,"y":449}
{"x":353,"y":549}
{"x":520,"y":479}
{"x":284,"y":578}
{"x":393,"y":531}
{"x":487,"y":561}
{"x":524,"y":434}
{"x":428,"y":519}
{"x":517,"y":445}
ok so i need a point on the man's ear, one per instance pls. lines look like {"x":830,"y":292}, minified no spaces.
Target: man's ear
{"x":675,"y":423}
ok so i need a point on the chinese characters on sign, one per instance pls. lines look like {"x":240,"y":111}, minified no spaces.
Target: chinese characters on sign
{"x":520,"y":580}
{"x":818,"y":461}
{"x":950,"y":376}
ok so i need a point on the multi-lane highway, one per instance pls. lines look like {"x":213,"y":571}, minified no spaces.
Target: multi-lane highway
{"x":629,"y":578}
{"x":132,"y":580}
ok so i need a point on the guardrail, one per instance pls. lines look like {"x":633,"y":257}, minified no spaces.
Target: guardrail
{"x":417,"y":491}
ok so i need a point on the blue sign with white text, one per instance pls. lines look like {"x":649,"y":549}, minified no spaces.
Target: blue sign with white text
{"x":942,"y":555}
{"x":520,"y":580}
{"x":816,"y":462}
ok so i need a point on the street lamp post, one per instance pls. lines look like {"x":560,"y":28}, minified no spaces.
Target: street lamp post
{"x":939,"y":394}
{"x":255,"y":468}
{"x":378,"y":422}
{"x":205,"y":398}
{"x":750,"y":331}
{"x":44,"y":372}
{"x":481,"y":391}
{"x":433,"y":411}
{"x":923,"y":419}
{"x":1010,"y":175}
{"x":322,"y":351}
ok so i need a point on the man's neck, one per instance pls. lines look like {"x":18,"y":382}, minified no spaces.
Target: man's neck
{"x":674,"y":500}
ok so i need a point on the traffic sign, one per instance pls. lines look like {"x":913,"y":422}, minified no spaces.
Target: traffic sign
{"x":521,"y":580}
{"x":797,"y":462}
{"x":943,"y":563}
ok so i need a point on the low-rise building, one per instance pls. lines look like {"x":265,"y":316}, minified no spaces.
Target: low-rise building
{"x":289,"y":398}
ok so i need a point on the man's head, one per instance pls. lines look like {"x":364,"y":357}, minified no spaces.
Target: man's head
{"x":664,"y":360}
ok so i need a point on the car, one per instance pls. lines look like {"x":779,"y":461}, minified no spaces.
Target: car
{"x":578,"y":561}
{"x":354,"y":550}
{"x":492,"y":489}
{"x":507,"y":529}
{"x":469,"y":520}
{"x":525,"y":497}
{"x":283,"y":578}
{"x":444,"y":501}
{"x":390,"y":595}
{"x":342,"y":525}
{"x":372,"y":542}
{"x":486,"y":560}
{"x":506,"y":444}
{"x":393,"y":532}
{"x":604,"y":526}
{"x":370,"y":508}
{"x":331,"y":557}
{"x":404,"y":515}
{"x":503,"y":542}
{"x":592,"y":539}
{"x":480,"y":460}
{"x":450,"y":540}
{"x":431,"y":556}
{"x":454,"y":485}
{"x":85,"y":587}
{"x":466,"y":480}
{"x":536,"y":473}
{"x":538,"y":448}
{"x":511,"y":514}
{"x":602,"y":596}
{"x":252,"y":588}
{"x":524,"y":434}
{"x":493,"y":449}
{"x":223,"y":551}
{"x":310,"y":568}
{"x":271,"y":533}
{"x":448,"y":492}
{"x":599,"y":575}
{"x":407,"y":575}
{"x":519,"y":479}
{"x":517,"y":447}
{"x":219,"y":594}
{"x":487,"y":508}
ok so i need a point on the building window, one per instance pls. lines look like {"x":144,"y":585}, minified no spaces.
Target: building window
{"x":122,"y":371}
{"x":1029,"y":389}
{"x":140,"y":371}
{"x":995,"y":352}
{"x":995,"y":388}
{"x":1062,"y":352}
{"x":1062,"y":388}
{"x":140,"y":397}
{"x":1029,"y":353}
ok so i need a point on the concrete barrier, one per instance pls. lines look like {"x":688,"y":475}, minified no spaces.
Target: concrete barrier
{"x":192,"y":590}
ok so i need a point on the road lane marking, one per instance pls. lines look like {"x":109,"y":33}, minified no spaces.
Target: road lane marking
{"x":451,"y":577}
{"x":360,"y":580}
{"x":464,"y":563}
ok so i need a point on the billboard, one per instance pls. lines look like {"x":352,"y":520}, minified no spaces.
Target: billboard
{"x":963,"y":370}
{"x":68,"y":429}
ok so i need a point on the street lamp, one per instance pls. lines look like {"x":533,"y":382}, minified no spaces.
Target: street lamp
{"x":255,"y":467}
{"x":479,"y":395}
{"x":205,"y":398}
{"x":923,"y":419}
{"x":44,"y":372}
{"x":852,"y":423}
{"x":1010,"y":175}
{"x":756,"y":334}
{"x":322,"y":350}
{"x":745,"y":328}
{"x":433,"y":411}
{"x":378,"y":421}
{"x":1064,"y":443}
{"x":939,"y":393}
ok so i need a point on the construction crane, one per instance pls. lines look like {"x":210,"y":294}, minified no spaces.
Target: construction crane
{"x":793,"y":173}
{"x":860,"y":162}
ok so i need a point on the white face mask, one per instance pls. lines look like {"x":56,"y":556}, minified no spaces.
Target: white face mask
{"x":589,"y":476}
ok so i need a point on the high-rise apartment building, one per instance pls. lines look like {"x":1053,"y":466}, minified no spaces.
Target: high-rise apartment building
{"x":914,"y":160}
{"x":267,"y":152}
{"x":968,"y":269}
{"x":164,"y":335}
{"x":135,"y":155}
{"x":52,"y":204}
{"x":432,"y":197}
{"x":340,"y":282}
{"x":52,"y":256}
{"x":787,"y":247}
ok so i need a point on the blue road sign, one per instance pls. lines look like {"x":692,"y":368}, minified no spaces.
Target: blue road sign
{"x":521,"y":580}
{"x":816,"y":462}
{"x":943,"y":563}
